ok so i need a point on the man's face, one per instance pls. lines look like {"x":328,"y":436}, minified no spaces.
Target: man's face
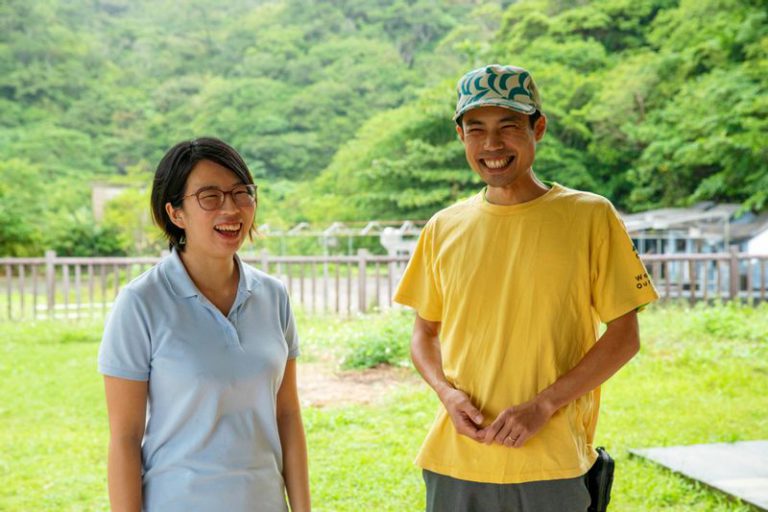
{"x":500,"y":144}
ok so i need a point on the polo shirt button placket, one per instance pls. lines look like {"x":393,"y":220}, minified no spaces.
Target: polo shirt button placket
{"x":233,"y":339}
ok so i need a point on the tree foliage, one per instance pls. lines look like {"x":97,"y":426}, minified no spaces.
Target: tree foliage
{"x":650,"y":103}
{"x":88,"y":90}
{"x":343,"y":108}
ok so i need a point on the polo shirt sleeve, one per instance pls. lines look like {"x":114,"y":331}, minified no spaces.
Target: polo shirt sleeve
{"x":418,"y":287}
{"x":619,"y":280}
{"x":126,"y":344}
{"x":289,"y":325}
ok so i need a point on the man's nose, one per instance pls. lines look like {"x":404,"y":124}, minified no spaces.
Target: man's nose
{"x":493,"y":141}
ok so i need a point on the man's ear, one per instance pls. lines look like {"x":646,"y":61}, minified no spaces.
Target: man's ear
{"x":460,"y":132}
{"x":176,"y":215}
{"x":540,"y":128}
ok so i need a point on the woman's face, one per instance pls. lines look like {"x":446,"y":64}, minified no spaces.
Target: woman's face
{"x":217,"y":233}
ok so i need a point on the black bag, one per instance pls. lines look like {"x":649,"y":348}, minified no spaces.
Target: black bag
{"x":599,"y":481}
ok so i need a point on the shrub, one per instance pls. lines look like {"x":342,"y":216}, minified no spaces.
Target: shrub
{"x":382,"y":340}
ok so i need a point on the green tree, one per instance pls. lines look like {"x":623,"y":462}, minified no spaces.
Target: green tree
{"x":404,"y":163}
{"x":76,"y":234}
{"x":20,"y":214}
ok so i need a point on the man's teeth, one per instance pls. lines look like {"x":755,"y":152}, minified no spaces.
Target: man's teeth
{"x":227,"y":227}
{"x":496,"y":163}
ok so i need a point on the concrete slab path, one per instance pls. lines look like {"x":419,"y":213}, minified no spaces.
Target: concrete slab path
{"x":739,"y":469}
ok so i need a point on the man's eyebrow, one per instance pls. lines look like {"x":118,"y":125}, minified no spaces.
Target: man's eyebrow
{"x":508,"y":119}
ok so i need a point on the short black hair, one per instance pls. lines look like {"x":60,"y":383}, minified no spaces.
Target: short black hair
{"x":174,"y":169}
{"x":532,"y":118}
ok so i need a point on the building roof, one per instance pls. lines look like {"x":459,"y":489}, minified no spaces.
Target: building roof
{"x":714,"y":222}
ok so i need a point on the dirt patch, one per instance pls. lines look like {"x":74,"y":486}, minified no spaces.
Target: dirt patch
{"x":322,"y":386}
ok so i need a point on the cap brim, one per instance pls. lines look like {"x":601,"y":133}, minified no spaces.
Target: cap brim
{"x":508,"y":104}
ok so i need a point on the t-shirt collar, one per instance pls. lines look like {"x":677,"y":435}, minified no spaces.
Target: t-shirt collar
{"x":497,"y":209}
{"x":484,"y":192}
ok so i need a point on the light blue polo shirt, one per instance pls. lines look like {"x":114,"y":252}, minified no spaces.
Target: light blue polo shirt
{"x":211,"y":440}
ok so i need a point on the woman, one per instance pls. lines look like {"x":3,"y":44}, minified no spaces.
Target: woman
{"x":201,"y":349}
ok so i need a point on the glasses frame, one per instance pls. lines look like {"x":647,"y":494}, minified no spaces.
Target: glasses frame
{"x":224,"y":193}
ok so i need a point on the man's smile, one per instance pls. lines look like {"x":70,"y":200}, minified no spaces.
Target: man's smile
{"x":498,"y":163}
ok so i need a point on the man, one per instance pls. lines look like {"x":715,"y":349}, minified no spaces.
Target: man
{"x":509,"y":288}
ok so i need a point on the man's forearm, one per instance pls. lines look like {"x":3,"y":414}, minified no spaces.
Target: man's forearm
{"x":614,"y":349}
{"x":426,"y":355}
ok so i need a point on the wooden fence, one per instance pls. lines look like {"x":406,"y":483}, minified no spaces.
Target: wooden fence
{"x":54,"y":287}
{"x":74,"y":287}
{"x":710,"y":276}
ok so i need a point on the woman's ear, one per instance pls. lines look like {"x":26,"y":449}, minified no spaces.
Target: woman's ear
{"x":176,"y":215}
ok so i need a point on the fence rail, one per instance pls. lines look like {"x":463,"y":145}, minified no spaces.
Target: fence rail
{"x":75,"y":287}
{"x":710,"y":276}
{"x":65,"y":287}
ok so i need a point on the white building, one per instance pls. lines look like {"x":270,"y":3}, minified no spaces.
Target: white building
{"x":704,"y":227}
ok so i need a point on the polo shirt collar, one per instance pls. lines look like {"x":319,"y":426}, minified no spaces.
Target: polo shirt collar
{"x":244,"y":285}
{"x":182,"y":286}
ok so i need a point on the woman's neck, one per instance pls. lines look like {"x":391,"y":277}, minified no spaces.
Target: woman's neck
{"x":216,"y":278}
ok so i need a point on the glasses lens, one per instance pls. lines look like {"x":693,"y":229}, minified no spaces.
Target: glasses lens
{"x":244,"y":195}
{"x":210,"y":199}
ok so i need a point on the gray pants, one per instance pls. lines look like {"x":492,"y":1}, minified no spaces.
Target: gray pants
{"x":446,"y":494}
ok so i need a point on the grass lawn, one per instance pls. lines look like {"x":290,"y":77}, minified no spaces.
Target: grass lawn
{"x":701,"y":376}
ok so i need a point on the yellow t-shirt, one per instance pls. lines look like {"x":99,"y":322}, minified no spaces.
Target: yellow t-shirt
{"x":520,"y":291}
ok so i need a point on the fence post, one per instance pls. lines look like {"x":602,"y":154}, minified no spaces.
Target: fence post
{"x":362,"y":278}
{"x":50,"y":280}
{"x":9,"y":288}
{"x":733,"y":274}
{"x":265,"y":261}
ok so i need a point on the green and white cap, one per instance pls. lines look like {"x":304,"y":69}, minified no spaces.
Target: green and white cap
{"x":495,"y":85}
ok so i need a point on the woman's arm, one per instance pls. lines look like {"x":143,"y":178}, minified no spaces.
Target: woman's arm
{"x":127,"y":409}
{"x":293,"y":442}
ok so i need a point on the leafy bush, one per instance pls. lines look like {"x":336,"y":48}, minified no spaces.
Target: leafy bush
{"x":382,"y":340}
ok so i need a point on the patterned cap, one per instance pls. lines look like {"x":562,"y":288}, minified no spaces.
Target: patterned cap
{"x":500,"y":86}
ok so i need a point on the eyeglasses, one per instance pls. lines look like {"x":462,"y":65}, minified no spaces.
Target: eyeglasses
{"x":212,"y":198}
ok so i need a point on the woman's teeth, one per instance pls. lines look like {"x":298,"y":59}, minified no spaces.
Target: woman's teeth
{"x":228,"y":227}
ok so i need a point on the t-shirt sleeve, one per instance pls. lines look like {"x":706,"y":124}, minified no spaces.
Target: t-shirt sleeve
{"x":289,"y":326}
{"x":419,"y":287}
{"x":126,"y":345}
{"x":620,"y":282}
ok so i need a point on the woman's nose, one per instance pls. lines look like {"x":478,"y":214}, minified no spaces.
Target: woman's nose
{"x":229,"y":202}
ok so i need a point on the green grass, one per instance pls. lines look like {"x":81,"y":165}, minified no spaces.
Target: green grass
{"x":693,"y":382}
{"x":700,"y":377}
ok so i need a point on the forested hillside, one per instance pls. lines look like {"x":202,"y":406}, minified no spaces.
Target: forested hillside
{"x":97,"y":90}
{"x":342,"y":108}
{"x":650,"y":102}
